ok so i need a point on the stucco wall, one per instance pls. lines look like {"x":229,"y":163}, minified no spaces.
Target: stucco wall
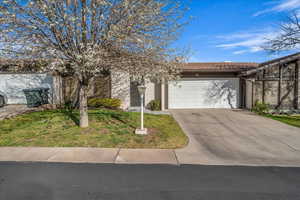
{"x":286,"y":101}
{"x":58,"y":98}
{"x":298,"y":84}
{"x":248,"y":94}
{"x":287,"y":95}
{"x":271,"y":92}
{"x":120,"y":88}
{"x":12,"y":86}
{"x":257,"y":91}
{"x":152,"y":93}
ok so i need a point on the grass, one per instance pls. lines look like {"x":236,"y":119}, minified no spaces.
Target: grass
{"x":293,"y":120}
{"x":58,"y":128}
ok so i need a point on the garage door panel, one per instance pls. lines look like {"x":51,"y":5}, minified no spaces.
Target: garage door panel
{"x":12,"y":85}
{"x":204,"y":93}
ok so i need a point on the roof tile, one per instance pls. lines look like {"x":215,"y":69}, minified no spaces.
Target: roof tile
{"x":220,"y":66}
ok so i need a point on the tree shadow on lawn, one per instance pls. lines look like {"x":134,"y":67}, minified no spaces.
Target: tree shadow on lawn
{"x":101,"y":115}
{"x":120,"y":116}
{"x":72,"y":116}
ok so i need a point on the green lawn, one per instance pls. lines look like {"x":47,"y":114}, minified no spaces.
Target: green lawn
{"x":291,"y":120}
{"x":107,"y":129}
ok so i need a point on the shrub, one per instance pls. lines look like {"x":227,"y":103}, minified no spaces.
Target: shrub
{"x":261,"y":108}
{"x":154,"y":105}
{"x":109,"y":103}
{"x":68,"y":106}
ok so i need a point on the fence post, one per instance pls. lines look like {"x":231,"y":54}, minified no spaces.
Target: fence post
{"x":296,"y":86}
{"x":279,"y":87}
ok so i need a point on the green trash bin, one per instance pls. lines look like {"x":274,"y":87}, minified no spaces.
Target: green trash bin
{"x":36,"y":96}
{"x":45,"y":95}
{"x":2,"y":101}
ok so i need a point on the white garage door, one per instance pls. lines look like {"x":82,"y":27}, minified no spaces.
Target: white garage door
{"x":12,"y":85}
{"x":204,"y":93}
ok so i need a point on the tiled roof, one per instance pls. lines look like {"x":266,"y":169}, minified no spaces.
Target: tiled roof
{"x":279,"y":61}
{"x":31,"y":65}
{"x":220,"y":66}
{"x":21,"y":65}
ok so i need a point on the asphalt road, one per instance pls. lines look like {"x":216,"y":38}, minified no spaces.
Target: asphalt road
{"x":51,"y":181}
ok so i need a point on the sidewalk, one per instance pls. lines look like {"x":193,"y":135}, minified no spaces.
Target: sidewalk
{"x":189,"y":155}
{"x":89,"y":155}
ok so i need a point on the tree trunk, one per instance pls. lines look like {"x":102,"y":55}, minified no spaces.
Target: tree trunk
{"x":84,"y":119}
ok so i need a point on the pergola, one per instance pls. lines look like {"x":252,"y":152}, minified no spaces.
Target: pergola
{"x":281,"y":70}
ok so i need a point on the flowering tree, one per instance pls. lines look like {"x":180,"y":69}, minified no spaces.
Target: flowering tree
{"x":88,"y":37}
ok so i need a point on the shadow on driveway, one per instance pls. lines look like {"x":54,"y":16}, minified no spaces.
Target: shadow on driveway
{"x":237,"y":137}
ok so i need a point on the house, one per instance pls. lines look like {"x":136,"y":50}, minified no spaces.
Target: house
{"x":232,"y":85}
{"x":275,"y":82}
{"x":206,"y":85}
{"x":27,"y":76}
{"x":202,"y":85}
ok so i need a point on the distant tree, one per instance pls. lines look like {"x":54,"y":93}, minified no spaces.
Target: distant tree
{"x":88,"y":37}
{"x":288,"y":36}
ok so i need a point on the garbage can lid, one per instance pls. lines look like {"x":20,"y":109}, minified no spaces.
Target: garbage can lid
{"x":35,"y":89}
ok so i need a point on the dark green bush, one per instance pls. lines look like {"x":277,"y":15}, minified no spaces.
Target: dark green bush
{"x":68,"y":106}
{"x":261,"y":108}
{"x":109,"y":103}
{"x":154,"y":105}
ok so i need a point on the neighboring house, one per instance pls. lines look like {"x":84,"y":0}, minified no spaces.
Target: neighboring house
{"x":275,"y":82}
{"x":12,"y":85}
{"x":202,"y":85}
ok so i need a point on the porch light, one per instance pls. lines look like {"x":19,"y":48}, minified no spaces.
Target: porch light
{"x":142,"y":130}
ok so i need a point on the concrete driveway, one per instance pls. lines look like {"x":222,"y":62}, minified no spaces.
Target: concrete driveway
{"x":236,"y":137}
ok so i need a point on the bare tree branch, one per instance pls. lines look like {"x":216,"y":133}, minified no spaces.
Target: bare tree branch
{"x":289,"y":35}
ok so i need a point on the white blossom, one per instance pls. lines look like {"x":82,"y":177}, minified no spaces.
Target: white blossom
{"x":86,"y":37}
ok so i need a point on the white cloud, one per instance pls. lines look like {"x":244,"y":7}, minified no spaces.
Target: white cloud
{"x":246,"y":42}
{"x":239,"y":52}
{"x":280,"y":6}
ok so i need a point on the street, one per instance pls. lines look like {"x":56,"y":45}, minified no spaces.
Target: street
{"x":53,"y":181}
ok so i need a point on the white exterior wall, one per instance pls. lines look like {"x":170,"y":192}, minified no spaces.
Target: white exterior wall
{"x":249,"y":94}
{"x":58,"y":98}
{"x":150,"y":93}
{"x":12,"y":86}
{"x":299,"y":85}
{"x":120,"y":88}
{"x":163,"y":95}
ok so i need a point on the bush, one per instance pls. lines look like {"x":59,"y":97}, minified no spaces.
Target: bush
{"x":154,"y":105}
{"x":261,"y":108}
{"x":68,"y":106}
{"x":109,"y":103}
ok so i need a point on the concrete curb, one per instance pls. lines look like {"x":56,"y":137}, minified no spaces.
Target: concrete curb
{"x":120,"y":156}
{"x":88,"y":155}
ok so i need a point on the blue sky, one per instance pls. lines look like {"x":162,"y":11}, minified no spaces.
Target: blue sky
{"x":233,"y":30}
